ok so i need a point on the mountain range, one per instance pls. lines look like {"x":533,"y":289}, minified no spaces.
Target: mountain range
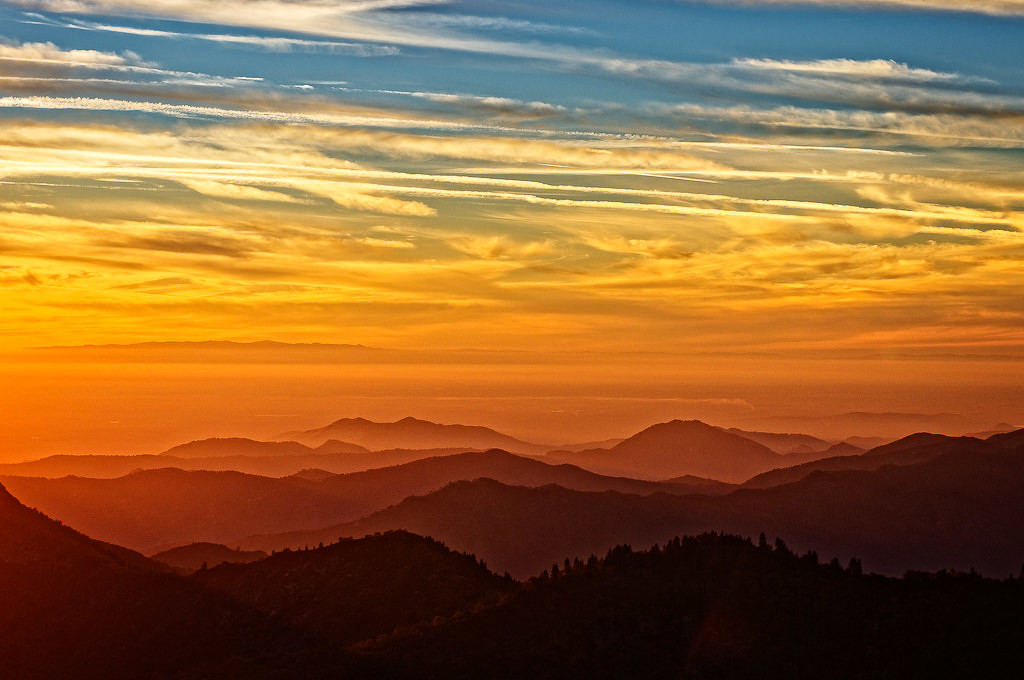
{"x":678,"y":448}
{"x":957,"y":505}
{"x":920,"y":486}
{"x":411,"y":433}
{"x":76,"y":607}
{"x":397,"y":605}
{"x":156,"y":509}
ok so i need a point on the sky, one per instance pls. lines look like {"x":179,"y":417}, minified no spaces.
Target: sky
{"x":820,"y":182}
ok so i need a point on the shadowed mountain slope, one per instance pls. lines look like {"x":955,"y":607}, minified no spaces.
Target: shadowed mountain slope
{"x":324,"y":458}
{"x":679,"y":448}
{"x":75,"y":607}
{"x":719,"y":607}
{"x":357,"y":589}
{"x":386,"y":486}
{"x":961,"y":510}
{"x":218,"y":447}
{"x":706,"y":607}
{"x":155,"y":509}
{"x":782,"y":443}
{"x":411,"y":433}
{"x":195,"y":556}
{"x":914,"y":448}
{"x":1008,"y":441}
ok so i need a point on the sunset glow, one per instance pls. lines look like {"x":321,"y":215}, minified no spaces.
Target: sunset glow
{"x":817,"y":182}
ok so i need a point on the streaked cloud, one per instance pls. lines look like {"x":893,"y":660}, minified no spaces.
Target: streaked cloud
{"x":48,"y":53}
{"x":998,"y":7}
{"x":581,"y":186}
{"x":878,"y":69}
{"x":271,"y":43}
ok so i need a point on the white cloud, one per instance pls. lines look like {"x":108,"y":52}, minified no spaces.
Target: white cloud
{"x":883,"y":69}
{"x":999,"y":7}
{"x":48,"y":53}
{"x":273,"y":44}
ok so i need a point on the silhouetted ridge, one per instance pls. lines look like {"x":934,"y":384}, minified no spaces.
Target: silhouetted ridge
{"x":195,"y":556}
{"x":411,"y":433}
{"x":677,"y":448}
{"x":236,"y":446}
{"x":357,"y":589}
{"x":152,"y":510}
{"x":1009,"y":441}
{"x":716,"y":606}
{"x":915,"y":448}
{"x":74,"y":607}
{"x":960,"y":509}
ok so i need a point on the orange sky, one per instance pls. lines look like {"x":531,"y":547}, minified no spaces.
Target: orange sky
{"x":827,"y":215}
{"x":105,"y":405}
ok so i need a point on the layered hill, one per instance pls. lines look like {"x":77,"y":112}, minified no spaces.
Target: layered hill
{"x":155,"y":509}
{"x":397,"y":605}
{"x":783,"y":443}
{"x":357,"y":589}
{"x":677,"y":448}
{"x":196,"y":556}
{"x":411,"y":433}
{"x":221,"y":447}
{"x":326,"y":457}
{"x":914,"y":448}
{"x":719,"y":607}
{"x":75,"y":607}
{"x":959,"y":509}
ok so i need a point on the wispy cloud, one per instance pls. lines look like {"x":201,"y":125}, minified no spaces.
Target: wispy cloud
{"x":874,"y":69}
{"x":42,"y":62}
{"x":271,"y":43}
{"x":998,"y":7}
{"x":48,"y":53}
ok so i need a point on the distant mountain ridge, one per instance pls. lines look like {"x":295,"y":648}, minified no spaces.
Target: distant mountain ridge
{"x":411,"y":433}
{"x":154,"y":509}
{"x":208,"y":344}
{"x":958,"y":508}
{"x":914,"y":448}
{"x":323,"y":457}
{"x":195,"y":556}
{"x":219,"y":447}
{"x":677,"y":448}
{"x":782,"y":443}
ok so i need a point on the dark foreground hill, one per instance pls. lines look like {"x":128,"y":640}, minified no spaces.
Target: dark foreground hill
{"x":73,"y":607}
{"x":961,"y":509}
{"x":402,"y":606}
{"x":719,"y":607}
{"x":357,"y":589}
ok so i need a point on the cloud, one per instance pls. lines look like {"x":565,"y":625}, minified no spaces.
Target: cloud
{"x":500,"y":247}
{"x":875,"y":69}
{"x":234,"y":191}
{"x":38,"y":62}
{"x":503,"y":105}
{"x":354,"y":119}
{"x":997,"y":7}
{"x":985,"y":129}
{"x":270,"y":43}
{"x":374,"y":242}
{"x":48,"y":53}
